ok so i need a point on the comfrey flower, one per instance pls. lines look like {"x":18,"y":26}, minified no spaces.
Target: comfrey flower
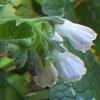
{"x":81,"y":37}
{"x":46,"y":76}
{"x":69,"y":66}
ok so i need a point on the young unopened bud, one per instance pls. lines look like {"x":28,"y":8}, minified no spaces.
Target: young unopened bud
{"x":69,"y":66}
{"x":46,"y":77}
{"x":81,"y":37}
{"x":56,"y":37}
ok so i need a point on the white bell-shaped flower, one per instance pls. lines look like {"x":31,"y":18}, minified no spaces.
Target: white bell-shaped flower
{"x":46,"y":76}
{"x":69,"y":66}
{"x":81,"y":37}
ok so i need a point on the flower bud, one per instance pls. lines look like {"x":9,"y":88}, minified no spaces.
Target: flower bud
{"x":46,"y":76}
{"x":69,"y":66}
{"x":56,"y":37}
{"x":81,"y":37}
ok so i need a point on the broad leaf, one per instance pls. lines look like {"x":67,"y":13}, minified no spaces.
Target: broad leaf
{"x":8,"y":92}
{"x":9,"y":30}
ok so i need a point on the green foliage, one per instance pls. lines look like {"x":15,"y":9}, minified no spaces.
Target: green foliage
{"x":43,"y":94}
{"x":20,"y":83}
{"x":53,"y":8}
{"x":8,"y":92}
{"x":10,"y":30}
{"x":26,"y":32}
{"x":62,"y":8}
{"x":4,"y":61}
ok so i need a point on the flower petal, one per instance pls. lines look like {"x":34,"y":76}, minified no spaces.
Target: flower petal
{"x":69,"y":66}
{"x":46,"y":77}
{"x":81,"y":37}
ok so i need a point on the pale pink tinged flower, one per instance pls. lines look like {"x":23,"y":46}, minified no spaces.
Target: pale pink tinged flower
{"x":81,"y":37}
{"x":47,"y":76}
{"x":69,"y":66}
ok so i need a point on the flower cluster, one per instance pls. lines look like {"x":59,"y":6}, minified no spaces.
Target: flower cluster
{"x":67,"y":65}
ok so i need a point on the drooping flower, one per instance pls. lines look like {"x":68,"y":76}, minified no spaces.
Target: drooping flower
{"x":46,"y":77}
{"x":81,"y":37}
{"x":69,"y":66}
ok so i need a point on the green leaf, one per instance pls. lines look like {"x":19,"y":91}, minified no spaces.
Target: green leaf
{"x":69,"y":11}
{"x":53,"y":8}
{"x":14,"y":50}
{"x":80,"y":90}
{"x":21,"y":59}
{"x":62,"y":8}
{"x":8,"y":92}
{"x":20,"y":83}
{"x":26,"y":9}
{"x":41,"y":95}
{"x":24,"y":43}
{"x":9,"y":30}
{"x":16,"y":2}
{"x":4,"y":61}
{"x":3,"y":49}
{"x":40,"y":1}
{"x":94,"y":68}
{"x":7,"y":11}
